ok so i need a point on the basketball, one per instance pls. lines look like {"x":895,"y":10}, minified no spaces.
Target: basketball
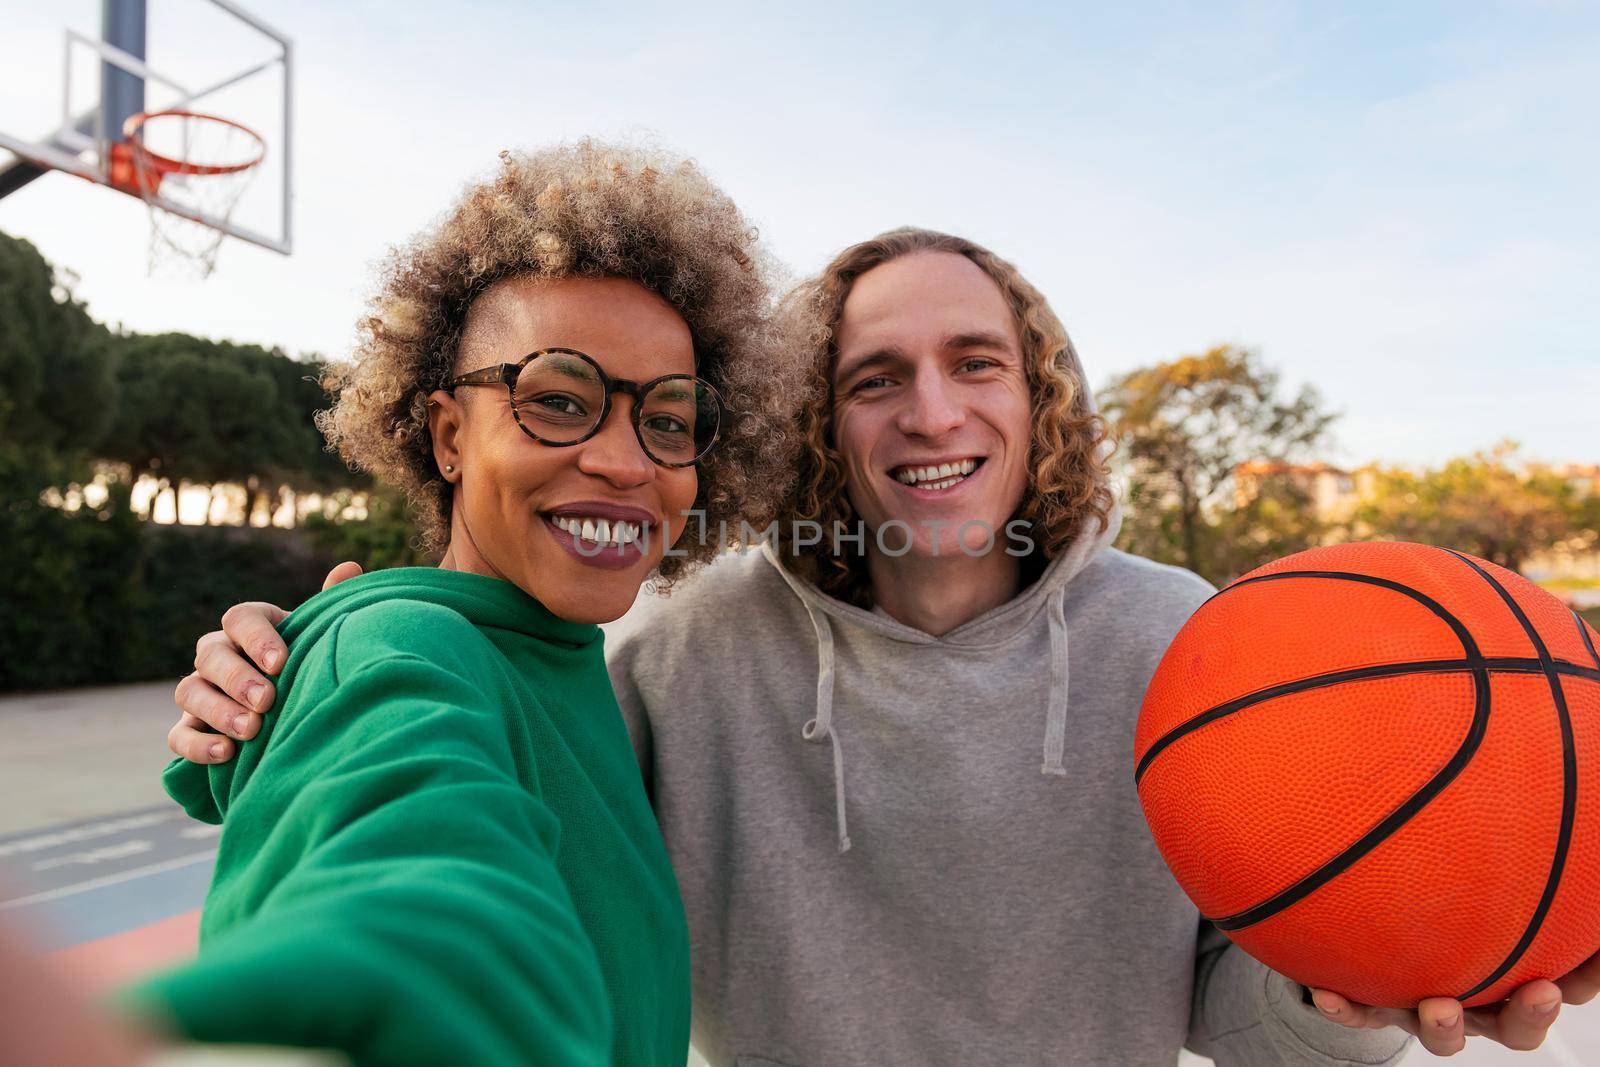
{"x":1376,"y":767}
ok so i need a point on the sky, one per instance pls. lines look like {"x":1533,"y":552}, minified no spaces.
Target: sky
{"x":1393,"y":203}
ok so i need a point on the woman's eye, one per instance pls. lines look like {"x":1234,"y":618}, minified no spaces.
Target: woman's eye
{"x":564,"y":404}
{"x":666,"y":424}
{"x":555,"y":405}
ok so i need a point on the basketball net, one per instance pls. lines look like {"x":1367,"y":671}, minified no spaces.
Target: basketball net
{"x":200,"y":163}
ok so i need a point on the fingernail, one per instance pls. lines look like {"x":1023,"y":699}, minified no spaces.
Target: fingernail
{"x":217,"y":750}
{"x":1545,"y":1007}
{"x":1324,"y":1003}
{"x":270,"y":660}
{"x":240,"y":724}
{"x":1445,"y":1022}
{"x":253,"y":694}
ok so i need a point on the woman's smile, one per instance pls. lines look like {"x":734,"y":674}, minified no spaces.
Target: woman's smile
{"x":603,"y":534}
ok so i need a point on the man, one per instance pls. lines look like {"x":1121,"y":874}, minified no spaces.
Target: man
{"x":895,"y":782}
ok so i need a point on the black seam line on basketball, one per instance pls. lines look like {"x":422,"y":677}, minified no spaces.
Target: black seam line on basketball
{"x":1572,"y":670}
{"x":1386,"y":827}
{"x":1583,"y":632}
{"x":1569,"y":794}
{"x":1468,"y":646}
{"x":1498,"y":665}
{"x":1416,"y":801}
{"x":1299,"y":685}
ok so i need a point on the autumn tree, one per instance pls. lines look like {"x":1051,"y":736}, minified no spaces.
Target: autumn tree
{"x":1488,"y":504}
{"x":1184,"y":428}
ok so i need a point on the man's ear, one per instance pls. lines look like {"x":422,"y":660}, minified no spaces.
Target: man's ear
{"x":446,"y":422}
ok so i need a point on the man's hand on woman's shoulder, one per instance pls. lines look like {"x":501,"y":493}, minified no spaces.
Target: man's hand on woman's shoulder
{"x":223,"y":700}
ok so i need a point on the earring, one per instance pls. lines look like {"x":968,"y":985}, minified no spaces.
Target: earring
{"x":449,"y":468}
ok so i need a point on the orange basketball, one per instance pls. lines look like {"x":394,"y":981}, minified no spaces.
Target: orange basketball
{"x":1376,"y":767}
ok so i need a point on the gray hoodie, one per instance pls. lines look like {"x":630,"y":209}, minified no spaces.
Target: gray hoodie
{"x":896,"y":848}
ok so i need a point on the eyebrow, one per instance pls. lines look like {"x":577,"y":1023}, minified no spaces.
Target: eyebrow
{"x":977,"y":339}
{"x":890,"y":354}
{"x":571,"y":367}
{"x":887,"y":355}
{"x":675,"y":392}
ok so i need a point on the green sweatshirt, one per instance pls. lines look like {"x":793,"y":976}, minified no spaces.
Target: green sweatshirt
{"x":439,"y":849}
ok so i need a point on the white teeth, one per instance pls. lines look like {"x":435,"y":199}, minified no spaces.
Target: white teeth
{"x":600,"y":531}
{"x":941,"y":476}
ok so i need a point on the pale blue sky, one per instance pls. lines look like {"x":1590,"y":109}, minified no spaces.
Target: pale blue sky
{"x":1394,"y":202}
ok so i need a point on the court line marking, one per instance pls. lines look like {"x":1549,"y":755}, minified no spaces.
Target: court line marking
{"x":103,"y":854}
{"x":110,"y":879}
{"x":32,"y":841}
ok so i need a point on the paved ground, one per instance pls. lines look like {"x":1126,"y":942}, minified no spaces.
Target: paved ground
{"x":80,"y":753}
{"x":100,"y":869}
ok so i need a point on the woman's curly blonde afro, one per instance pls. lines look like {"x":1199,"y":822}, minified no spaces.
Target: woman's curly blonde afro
{"x":584,"y":209}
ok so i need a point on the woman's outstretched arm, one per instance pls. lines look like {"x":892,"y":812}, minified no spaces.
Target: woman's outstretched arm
{"x":387,"y":881}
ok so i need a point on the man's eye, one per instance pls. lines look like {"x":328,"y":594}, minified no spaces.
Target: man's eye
{"x":877,"y":381}
{"x":977,"y":363}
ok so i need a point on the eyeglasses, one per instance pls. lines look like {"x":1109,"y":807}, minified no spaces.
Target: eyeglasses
{"x":561,"y":397}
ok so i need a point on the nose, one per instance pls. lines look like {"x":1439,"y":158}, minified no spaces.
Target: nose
{"x":615,"y":453}
{"x":932,"y":406}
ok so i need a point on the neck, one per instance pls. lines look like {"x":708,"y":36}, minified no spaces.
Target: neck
{"x":462,"y":554}
{"x":935,"y":594}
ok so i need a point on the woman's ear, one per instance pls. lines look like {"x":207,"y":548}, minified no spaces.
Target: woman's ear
{"x":445,"y":424}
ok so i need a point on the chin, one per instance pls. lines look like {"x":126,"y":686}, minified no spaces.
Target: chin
{"x":596,"y":603}
{"x":593,"y":616}
{"x":585,"y":594}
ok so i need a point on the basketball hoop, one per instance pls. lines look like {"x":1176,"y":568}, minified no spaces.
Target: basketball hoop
{"x":185,"y":165}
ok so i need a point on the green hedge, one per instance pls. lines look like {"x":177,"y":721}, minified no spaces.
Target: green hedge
{"x":101,"y":597}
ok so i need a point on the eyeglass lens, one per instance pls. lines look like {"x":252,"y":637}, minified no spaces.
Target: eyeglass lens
{"x":560,"y":397}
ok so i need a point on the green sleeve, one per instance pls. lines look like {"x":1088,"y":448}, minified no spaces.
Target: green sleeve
{"x":404,"y":901}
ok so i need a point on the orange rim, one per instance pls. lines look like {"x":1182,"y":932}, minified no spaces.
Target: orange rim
{"x":164,"y":165}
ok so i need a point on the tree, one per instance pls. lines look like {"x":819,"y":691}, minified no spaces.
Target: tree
{"x":1184,"y":428}
{"x":1489,"y":505}
{"x":213,"y":411}
{"x":57,"y":375}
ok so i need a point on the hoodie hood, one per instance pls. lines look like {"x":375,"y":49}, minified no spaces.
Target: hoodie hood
{"x":481,"y":600}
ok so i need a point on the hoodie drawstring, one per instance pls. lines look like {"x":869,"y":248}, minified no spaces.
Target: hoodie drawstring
{"x":821,"y":726}
{"x":1055,"y":729}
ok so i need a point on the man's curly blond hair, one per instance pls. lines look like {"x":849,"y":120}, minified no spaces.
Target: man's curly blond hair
{"x":1069,"y":447}
{"x":586,"y":209}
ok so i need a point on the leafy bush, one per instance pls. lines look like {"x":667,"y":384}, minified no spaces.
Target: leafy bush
{"x":101,"y":597}
{"x":71,"y":586}
{"x":385,"y":538}
{"x":192,"y":574}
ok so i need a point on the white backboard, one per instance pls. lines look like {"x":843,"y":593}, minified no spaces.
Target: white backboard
{"x":208,"y":56}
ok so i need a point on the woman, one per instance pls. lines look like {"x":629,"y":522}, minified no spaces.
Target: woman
{"x":439,"y":847}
